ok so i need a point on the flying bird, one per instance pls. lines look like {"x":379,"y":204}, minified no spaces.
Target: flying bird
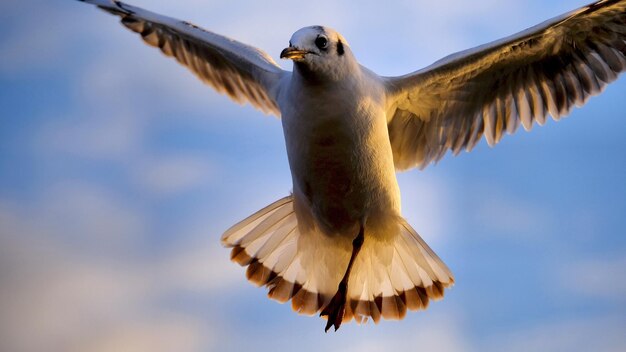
{"x":338,"y":245}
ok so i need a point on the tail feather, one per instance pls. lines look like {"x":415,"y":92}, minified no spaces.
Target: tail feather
{"x":392,"y":274}
{"x":436,"y":266}
{"x":242,"y":228}
{"x":270,"y":225}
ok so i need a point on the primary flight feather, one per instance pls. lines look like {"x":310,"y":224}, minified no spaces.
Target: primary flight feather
{"x":338,"y":245}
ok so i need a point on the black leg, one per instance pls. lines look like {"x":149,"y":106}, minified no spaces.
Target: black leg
{"x":335,"y":309}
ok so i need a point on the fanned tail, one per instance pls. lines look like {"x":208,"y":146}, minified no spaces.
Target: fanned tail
{"x":393,"y":273}
{"x":270,"y":244}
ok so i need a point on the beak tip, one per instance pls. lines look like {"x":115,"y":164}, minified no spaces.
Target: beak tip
{"x":292,"y":53}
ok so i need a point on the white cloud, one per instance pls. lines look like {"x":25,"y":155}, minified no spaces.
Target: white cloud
{"x":165,"y":333}
{"x":111,"y":134}
{"x":600,"y":278}
{"x":442,"y":334}
{"x":133,"y":74}
{"x":85,"y":214}
{"x":508,"y":215}
{"x":38,"y":39}
{"x":600,"y":334}
{"x":68,"y":284}
{"x":166,"y":175}
{"x":201,"y":267}
{"x":54,"y":294}
{"x":426,"y":204}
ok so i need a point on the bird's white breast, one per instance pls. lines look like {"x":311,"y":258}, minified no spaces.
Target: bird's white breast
{"x":339,"y":153}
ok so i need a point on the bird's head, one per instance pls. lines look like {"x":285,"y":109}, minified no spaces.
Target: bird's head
{"x":320,"y":51}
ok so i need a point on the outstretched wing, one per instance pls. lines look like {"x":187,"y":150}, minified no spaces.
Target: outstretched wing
{"x":494,"y":88}
{"x":245,"y":73}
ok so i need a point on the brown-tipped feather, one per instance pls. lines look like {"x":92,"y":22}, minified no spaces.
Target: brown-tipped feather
{"x":306,"y":302}
{"x":275,"y":227}
{"x":374,"y":311}
{"x":309,"y":303}
{"x":435,"y":291}
{"x":284,"y":290}
{"x":239,"y":256}
{"x":258,"y":274}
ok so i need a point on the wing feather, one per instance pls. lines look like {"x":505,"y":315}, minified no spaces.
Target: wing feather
{"x":492,"y":89}
{"x":242,"y":72}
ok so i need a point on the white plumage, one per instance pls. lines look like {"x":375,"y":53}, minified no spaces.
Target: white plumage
{"x":339,"y":244}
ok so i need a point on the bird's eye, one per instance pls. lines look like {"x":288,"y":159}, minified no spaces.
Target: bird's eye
{"x":321,"y":42}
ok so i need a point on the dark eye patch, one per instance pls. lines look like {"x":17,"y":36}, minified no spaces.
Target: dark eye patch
{"x":340,"y":50}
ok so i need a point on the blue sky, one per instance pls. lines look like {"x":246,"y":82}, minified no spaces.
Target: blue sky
{"x":119,"y":171}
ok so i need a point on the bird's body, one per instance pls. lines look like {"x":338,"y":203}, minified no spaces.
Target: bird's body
{"x":339,"y":245}
{"x":339,"y":151}
{"x":340,"y":156}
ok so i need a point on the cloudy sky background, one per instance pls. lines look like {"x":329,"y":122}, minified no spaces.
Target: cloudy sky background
{"x":119,"y":171}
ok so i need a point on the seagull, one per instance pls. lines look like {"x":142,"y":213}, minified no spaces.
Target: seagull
{"x":338,"y":245}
